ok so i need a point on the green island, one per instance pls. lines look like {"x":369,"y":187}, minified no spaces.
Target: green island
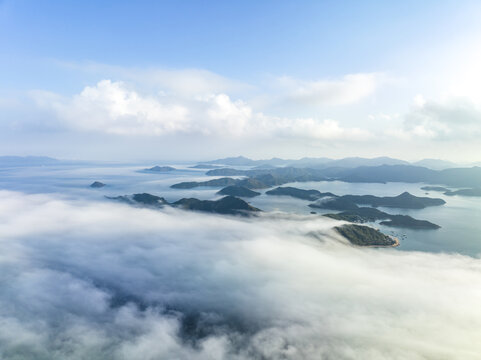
{"x":361,"y":235}
{"x":464,"y":192}
{"x":229,"y":205}
{"x":240,"y":191}
{"x":311,"y":195}
{"x":367,"y":214}
{"x":160,"y":169}
{"x":349,"y":202}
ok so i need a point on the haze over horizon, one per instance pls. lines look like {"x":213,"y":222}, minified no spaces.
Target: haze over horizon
{"x":123,"y":81}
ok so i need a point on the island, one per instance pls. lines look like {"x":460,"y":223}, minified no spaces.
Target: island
{"x":211,"y":183}
{"x":205,"y":166}
{"x":160,"y":169}
{"x":361,"y":235}
{"x":282,"y":175}
{"x":402,"y":201}
{"x":311,"y":195}
{"x":464,"y":192}
{"x":97,"y":185}
{"x":256,"y":179}
{"x":434,"y":188}
{"x":144,"y":199}
{"x":367,"y":214}
{"x":259,"y":182}
{"x":329,"y":200}
{"x":240,"y":191}
{"x":334,"y":203}
{"x":353,"y":170}
{"x":229,"y":205}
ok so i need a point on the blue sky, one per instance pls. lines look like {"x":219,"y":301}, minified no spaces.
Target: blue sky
{"x":353,"y":73}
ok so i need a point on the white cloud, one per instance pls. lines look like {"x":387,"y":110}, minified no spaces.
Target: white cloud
{"x":452,"y":119}
{"x":181,"y":82}
{"x":349,"y":89}
{"x":110,"y":107}
{"x":103,"y":280}
{"x":114,"y":108}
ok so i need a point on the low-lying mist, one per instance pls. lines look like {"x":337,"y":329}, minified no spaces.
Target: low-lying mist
{"x":99,"y":280}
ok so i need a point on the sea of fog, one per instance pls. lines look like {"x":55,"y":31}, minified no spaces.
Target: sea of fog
{"x":84,"y":277}
{"x":458,"y":218}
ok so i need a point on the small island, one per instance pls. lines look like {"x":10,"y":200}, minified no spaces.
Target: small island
{"x":205,"y":166}
{"x":464,"y":192}
{"x":434,"y":188}
{"x":210,"y":183}
{"x":402,"y":201}
{"x":367,"y":214}
{"x":240,"y":191}
{"x":311,"y":195}
{"x":160,"y":169}
{"x":361,"y":235}
{"x":145,"y":199}
{"x":97,"y":185}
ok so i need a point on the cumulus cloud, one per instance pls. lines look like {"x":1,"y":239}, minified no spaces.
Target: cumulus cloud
{"x":453,"y":119}
{"x":181,"y":82}
{"x":115,"y":108}
{"x":99,"y":280}
{"x":349,"y":89}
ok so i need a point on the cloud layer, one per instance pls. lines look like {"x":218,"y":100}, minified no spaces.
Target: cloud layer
{"x":349,"y":89}
{"x":106,"y":281}
{"x":114,"y":108}
{"x":452,"y":119}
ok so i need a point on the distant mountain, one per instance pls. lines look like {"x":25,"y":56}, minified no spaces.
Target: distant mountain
{"x":324,"y":162}
{"x":435,"y":164}
{"x":454,"y":177}
{"x":387,"y":173}
{"x":239,"y":160}
{"x":205,"y":166}
{"x":27,"y":161}
{"x":263,"y":167}
{"x":309,"y":162}
{"x":353,"y":162}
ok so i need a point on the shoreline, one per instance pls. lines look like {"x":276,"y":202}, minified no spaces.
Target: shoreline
{"x":396,"y":243}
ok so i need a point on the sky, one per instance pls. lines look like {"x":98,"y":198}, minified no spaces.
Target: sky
{"x":169,"y":80}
